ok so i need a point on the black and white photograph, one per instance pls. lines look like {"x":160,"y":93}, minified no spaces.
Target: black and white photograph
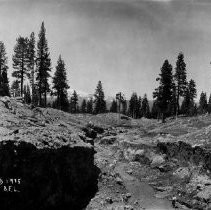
{"x":105,"y":104}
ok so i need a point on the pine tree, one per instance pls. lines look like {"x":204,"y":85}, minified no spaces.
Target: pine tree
{"x":195,"y":110}
{"x":60,"y":84}
{"x":192,"y":89}
{"x":27,"y":94}
{"x":4,"y":82}
{"x":43,"y":66}
{"x":155,"y":110}
{"x":74,"y":103}
{"x":100,"y":103}
{"x":187,"y":107}
{"x":163,"y":94}
{"x":209,"y":105}
{"x":113,"y":107}
{"x":83,"y":106}
{"x":203,"y":103}
{"x":36,"y":95}
{"x":139,"y":107}
{"x":89,"y":108}
{"x":20,"y":60}
{"x":145,"y":107}
{"x":180,"y":79}
{"x":124,"y":107}
{"x":3,"y":61}
{"x":134,"y":106}
{"x":15,"y":88}
{"x":31,"y":63}
{"x":173,"y":103}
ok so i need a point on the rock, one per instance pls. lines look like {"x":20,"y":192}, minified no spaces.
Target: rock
{"x":182,"y":172}
{"x":119,"y":181}
{"x":108,"y":140}
{"x":129,"y":154}
{"x":164,"y":168}
{"x":90,"y":133}
{"x":199,"y":179}
{"x":128,"y":195}
{"x":208,"y":207}
{"x":138,"y":155}
{"x":162,"y":195}
{"x":162,"y":189}
{"x":98,"y":129}
{"x":157,"y":160}
{"x":205,"y":194}
{"x":89,"y":141}
{"x":123,"y":117}
{"x":128,"y":207}
{"x":130,"y":171}
{"x":109,"y":200}
{"x":125,"y":197}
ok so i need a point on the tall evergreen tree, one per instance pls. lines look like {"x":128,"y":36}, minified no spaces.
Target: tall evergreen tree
{"x":173,"y":103}
{"x":186,"y":103}
{"x":180,"y":79}
{"x":20,"y":60}
{"x":134,"y":106}
{"x":187,"y":107}
{"x":163,"y":94}
{"x":100,"y":103}
{"x":139,"y":107}
{"x":89,"y":108}
{"x":113,"y":107}
{"x":124,"y":107}
{"x":60,"y":84}
{"x":83,"y":106}
{"x":27,"y":94}
{"x":209,"y":105}
{"x":192,"y":89}
{"x":31,"y":63}
{"x":203,"y":103}
{"x":145,"y":107}
{"x":4,"y":82}
{"x":15,"y":88}
{"x":43,"y":66}
{"x":74,"y":103}
{"x":155,"y":110}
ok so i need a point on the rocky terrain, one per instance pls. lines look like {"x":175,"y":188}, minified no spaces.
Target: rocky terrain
{"x":91,"y":162}
{"x":44,"y":164}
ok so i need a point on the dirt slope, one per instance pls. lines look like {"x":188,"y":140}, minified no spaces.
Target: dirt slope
{"x":142,"y":164}
{"x":44,"y":164}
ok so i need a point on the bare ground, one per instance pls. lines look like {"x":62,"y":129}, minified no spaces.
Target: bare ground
{"x":143,"y":163}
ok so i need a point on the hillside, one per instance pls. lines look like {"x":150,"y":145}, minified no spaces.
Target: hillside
{"x":92,"y":162}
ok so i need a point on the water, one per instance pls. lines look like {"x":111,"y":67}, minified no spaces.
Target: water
{"x":142,"y":192}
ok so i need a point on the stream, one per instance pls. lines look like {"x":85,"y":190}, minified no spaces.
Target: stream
{"x":141,"y":191}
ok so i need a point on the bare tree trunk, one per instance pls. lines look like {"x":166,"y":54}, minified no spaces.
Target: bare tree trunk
{"x":33,"y":93}
{"x":163,"y":118}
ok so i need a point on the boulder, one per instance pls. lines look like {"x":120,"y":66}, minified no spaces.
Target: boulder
{"x":138,"y":154}
{"x":205,"y":194}
{"x":157,"y":160}
{"x":108,"y":140}
{"x":90,"y":133}
{"x":119,"y":181}
{"x":182,"y":172}
{"x":98,"y":129}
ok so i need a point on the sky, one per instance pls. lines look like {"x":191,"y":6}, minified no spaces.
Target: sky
{"x":123,"y":43}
